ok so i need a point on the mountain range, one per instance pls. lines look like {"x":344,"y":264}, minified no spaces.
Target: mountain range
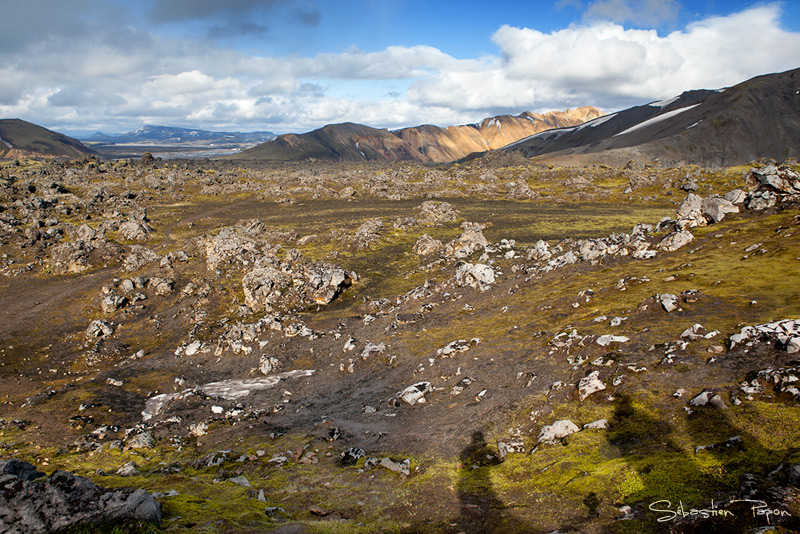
{"x":170,"y":135}
{"x":426,"y":143}
{"x":758,"y":118}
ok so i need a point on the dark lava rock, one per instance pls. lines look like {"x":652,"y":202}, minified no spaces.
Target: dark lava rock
{"x":63,"y":500}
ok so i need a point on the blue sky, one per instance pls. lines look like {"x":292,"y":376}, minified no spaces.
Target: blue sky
{"x":294,"y":65}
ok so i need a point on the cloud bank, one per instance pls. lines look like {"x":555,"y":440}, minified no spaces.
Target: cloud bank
{"x":122,"y":73}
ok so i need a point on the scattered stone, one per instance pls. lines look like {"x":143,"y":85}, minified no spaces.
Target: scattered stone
{"x":268,"y":364}
{"x":462,"y":384}
{"x":460,"y":345}
{"x":557,"y":431}
{"x":694,"y":332}
{"x":478,"y":276}
{"x":19,"y":469}
{"x":198,"y":429}
{"x":240,"y":481}
{"x":414,"y":394}
{"x":403,"y":467}
{"x":607,"y":339}
{"x":277,"y":513}
{"x":600,"y":424}
{"x":426,"y":246}
{"x":510,"y":445}
{"x":590,"y":384}
{"x":668,"y":301}
{"x":372,"y":348}
{"x":368,"y":233}
{"x":434,"y":212}
{"x":702,"y":399}
{"x":715,"y":208}
{"x":470,"y":241}
{"x":690,"y":212}
{"x":130,"y":469}
{"x":317,"y":511}
{"x":786,"y":333}
{"x":675,"y":240}
{"x":144,"y":440}
{"x":113,"y":302}
{"x":99,"y":328}
{"x":352,"y":455}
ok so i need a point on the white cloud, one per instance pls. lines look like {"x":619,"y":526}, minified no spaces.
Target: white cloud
{"x":118,"y":80}
{"x":606,"y":65}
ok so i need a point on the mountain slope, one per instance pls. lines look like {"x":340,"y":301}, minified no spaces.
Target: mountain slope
{"x":426,"y":143}
{"x":754,"y":119}
{"x":19,"y":138}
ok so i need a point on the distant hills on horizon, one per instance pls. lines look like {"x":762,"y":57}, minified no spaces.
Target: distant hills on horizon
{"x":172,"y":135}
{"x":758,"y":118}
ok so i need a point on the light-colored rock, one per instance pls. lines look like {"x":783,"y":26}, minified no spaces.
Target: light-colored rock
{"x":690,"y":212}
{"x":510,"y":445}
{"x":426,"y":245}
{"x":694,"y":332}
{"x":479,"y":276}
{"x":130,"y":469}
{"x":403,"y":467}
{"x":557,"y":431}
{"x":144,"y":440}
{"x":268,"y":364}
{"x":736,"y":196}
{"x":668,"y":301}
{"x":415,"y":393}
{"x":590,"y":384}
{"x":702,"y":399}
{"x":675,"y":241}
{"x":715,"y":208}
{"x":600,"y":424}
{"x":470,"y":241}
{"x":607,"y":339}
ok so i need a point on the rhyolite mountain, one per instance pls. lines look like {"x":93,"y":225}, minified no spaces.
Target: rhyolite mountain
{"x":175,"y":135}
{"x":426,"y":143}
{"x":758,"y":118}
{"x":19,"y":138}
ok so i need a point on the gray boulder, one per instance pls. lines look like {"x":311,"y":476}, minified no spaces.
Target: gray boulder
{"x":480,"y":276}
{"x":776,"y":178}
{"x":735,"y":196}
{"x":426,"y":245}
{"x":690,"y":212}
{"x":715,"y":208}
{"x":675,"y":241}
{"x":557,"y":431}
{"x":22,"y":470}
{"x":433,"y":212}
{"x":590,"y":384}
{"x":470,"y":240}
{"x":262,"y":287}
{"x":63,"y":500}
{"x":134,"y":231}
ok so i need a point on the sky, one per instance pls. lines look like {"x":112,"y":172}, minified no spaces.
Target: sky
{"x":80,"y":66}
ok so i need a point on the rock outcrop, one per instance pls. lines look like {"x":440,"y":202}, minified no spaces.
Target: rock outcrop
{"x":62,"y":500}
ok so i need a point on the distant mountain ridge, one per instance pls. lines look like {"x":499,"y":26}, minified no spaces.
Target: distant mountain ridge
{"x":426,"y":143}
{"x":19,"y":139}
{"x":758,"y":118}
{"x":174,"y":135}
